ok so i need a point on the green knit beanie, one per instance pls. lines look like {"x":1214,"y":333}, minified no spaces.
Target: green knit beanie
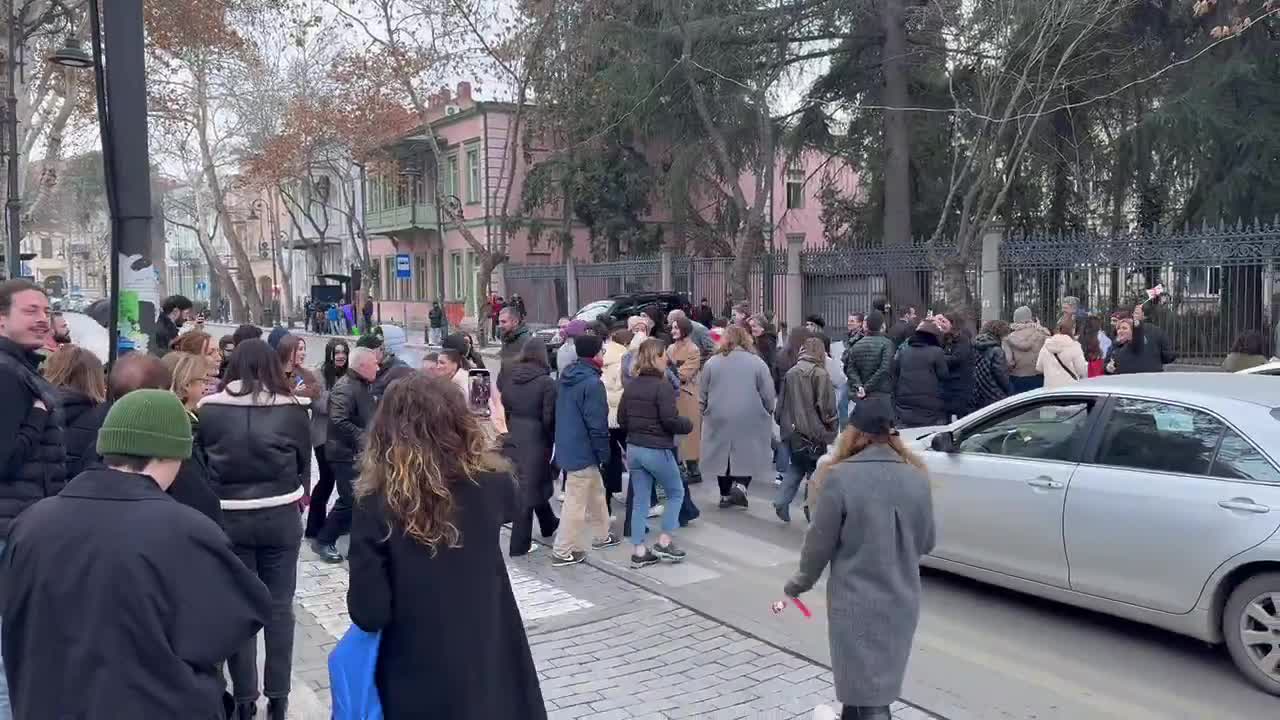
{"x":147,"y":424}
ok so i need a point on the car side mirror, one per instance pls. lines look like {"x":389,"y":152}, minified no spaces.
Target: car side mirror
{"x":944,"y":442}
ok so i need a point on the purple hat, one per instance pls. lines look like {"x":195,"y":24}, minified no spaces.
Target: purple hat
{"x":575,"y":328}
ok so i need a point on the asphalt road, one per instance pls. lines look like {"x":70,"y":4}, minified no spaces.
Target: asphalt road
{"x":981,"y":653}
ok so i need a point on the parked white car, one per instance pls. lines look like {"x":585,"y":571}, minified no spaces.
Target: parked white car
{"x":1150,"y":497}
{"x":1270,"y":368}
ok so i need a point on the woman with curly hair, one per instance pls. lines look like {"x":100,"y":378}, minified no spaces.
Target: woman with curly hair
{"x":426,"y":569}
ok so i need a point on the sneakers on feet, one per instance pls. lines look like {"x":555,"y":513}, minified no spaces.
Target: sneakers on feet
{"x":725,"y":502}
{"x":657,"y":510}
{"x":777,"y":478}
{"x":784,"y":512}
{"x":643,"y":561}
{"x":669,"y":552}
{"x":609,"y":541}
{"x":574,"y":557}
{"x":560,"y":497}
{"x":738,"y":496}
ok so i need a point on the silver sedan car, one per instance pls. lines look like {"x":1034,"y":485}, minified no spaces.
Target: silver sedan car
{"x":1150,"y":497}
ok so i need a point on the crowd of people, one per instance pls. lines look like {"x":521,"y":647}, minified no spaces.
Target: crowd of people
{"x":154,"y":511}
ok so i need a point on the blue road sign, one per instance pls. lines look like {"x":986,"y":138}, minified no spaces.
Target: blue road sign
{"x":403,"y":267}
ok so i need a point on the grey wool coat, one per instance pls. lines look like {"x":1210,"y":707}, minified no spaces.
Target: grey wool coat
{"x":872,"y":523}
{"x":737,"y":398}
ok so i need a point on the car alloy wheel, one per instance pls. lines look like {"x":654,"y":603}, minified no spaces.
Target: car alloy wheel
{"x":1260,"y":632}
{"x":1251,"y":628}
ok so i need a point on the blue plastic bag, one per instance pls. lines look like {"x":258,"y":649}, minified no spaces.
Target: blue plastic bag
{"x":352,"y":687}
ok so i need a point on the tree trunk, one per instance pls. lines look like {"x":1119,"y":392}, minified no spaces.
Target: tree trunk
{"x":903,"y":286}
{"x":955,"y":281}
{"x":248,"y":283}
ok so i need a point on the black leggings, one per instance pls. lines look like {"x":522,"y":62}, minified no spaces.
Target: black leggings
{"x":320,"y":495}
{"x":855,"y":712}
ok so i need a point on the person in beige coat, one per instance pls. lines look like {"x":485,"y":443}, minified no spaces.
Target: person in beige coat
{"x":685,"y":358}
{"x":1061,"y":358}
{"x":1022,"y":350}
{"x":615,"y":348}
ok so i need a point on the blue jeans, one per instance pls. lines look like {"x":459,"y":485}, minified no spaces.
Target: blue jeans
{"x":650,"y":465}
{"x":6,"y":712}
{"x":781,"y":457}
{"x":802,"y":466}
{"x":842,"y":407}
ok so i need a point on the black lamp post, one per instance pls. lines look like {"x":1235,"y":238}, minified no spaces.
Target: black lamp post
{"x":122,"y":120}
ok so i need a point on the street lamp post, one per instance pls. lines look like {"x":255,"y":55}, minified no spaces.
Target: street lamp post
{"x":13,"y":202}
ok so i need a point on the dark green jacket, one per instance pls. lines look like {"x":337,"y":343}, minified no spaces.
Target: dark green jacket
{"x":867,"y":363}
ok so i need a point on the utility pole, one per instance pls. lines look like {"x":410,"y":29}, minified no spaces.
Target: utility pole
{"x":13,"y":201}
{"x":128,"y":166}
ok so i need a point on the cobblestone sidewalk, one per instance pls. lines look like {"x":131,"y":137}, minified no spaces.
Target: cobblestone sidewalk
{"x":605,"y":649}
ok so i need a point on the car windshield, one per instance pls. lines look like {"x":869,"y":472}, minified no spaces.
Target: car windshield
{"x":592,"y":311}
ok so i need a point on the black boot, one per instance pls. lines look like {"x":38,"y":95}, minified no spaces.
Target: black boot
{"x":246,"y":711}
{"x":277,"y":708}
{"x":695,"y":475}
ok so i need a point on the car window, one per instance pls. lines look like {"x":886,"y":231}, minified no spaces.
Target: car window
{"x":1238,"y":460}
{"x":1042,"y":431}
{"x":591,"y":311}
{"x":1151,"y":435}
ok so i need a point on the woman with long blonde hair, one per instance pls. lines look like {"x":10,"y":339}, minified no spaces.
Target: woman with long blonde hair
{"x":426,"y":569}
{"x":872,"y":522}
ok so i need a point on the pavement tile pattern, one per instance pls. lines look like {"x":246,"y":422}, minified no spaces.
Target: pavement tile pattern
{"x":605,"y":649}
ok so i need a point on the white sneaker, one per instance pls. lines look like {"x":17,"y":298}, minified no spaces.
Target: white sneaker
{"x":561,"y":496}
{"x":657,"y":510}
{"x":824,"y":712}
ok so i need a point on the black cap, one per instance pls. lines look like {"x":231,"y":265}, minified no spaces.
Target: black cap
{"x":873,"y":415}
{"x":588,"y":346}
{"x":369,"y":340}
{"x":456,"y":341}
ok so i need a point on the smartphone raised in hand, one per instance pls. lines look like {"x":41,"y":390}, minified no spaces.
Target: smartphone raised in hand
{"x":481,"y":386}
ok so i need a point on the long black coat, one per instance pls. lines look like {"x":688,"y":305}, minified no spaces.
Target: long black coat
{"x":919,"y":372}
{"x":453,"y":643}
{"x":529,"y":397}
{"x":957,"y":389}
{"x":121,"y":603}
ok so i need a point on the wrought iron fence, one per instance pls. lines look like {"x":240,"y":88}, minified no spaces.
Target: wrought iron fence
{"x":543,"y":288}
{"x":711,"y":278}
{"x":597,"y":281}
{"x":1219,"y":280}
{"x":841,"y":281}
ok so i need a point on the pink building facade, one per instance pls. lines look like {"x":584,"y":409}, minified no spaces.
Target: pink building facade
{"x":408,"y":235}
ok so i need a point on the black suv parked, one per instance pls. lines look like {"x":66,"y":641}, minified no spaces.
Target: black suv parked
{"x":618,"y":309}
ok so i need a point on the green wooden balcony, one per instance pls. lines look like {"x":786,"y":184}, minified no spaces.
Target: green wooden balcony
{"x":402,"y":219}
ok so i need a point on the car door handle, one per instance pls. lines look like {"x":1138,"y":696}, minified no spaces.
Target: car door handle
{"x":1244,"y":505}
{"x":1046,"y":483}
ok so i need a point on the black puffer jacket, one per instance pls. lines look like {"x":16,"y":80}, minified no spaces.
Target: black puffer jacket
{"x":1149,"y":351}
{"x":648,"y":413}
{"x":350,"y":410}
{"x":919,"y":372}
{"x":83,"y":418}
{"x":33,"y":462}
{"x":529,"y":397}
{"x":957,"y":389}
{"x":258,"y":448}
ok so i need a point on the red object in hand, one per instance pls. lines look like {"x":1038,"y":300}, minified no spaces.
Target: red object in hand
{"x":804,"y":610}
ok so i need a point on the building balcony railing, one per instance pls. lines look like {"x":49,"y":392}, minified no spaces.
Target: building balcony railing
{"x":423,"y":216}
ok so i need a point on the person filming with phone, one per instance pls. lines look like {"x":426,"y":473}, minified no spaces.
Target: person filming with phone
{"x":350,"y":411}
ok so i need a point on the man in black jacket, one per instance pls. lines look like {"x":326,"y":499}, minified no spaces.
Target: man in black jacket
{"x":145,"y":596}
{"x":174,"y":312}
{"x":350,"y":410}
{"x":32,"y":452}
{"x":905,"y":327}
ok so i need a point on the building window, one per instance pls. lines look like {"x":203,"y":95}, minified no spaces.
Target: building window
{"x":795,"y":188}
{"x":449,"y":178}
{"x":420,"y":277}
{"x":455,"y":275}
{"x":389,"y":277}
{"x":475,"y":178}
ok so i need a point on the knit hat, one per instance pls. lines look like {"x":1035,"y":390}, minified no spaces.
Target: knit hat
{"x":277,"y":334}
{"x":873,"y":415}
{"x":456,"y":341}
{"x":574,"y":329}
{"x":1023,"y":315}
{"x":373,"y":341}
{"x":146,"y":424}
{"x":588,"y":346}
